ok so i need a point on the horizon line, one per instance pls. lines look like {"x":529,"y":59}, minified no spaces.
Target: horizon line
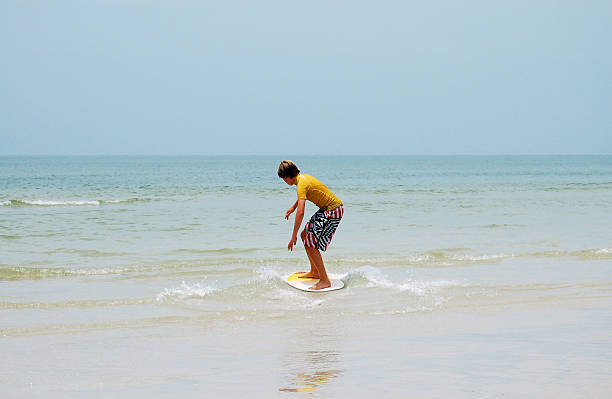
{"x":307,"y":155}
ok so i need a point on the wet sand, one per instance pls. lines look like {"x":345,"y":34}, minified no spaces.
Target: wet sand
{"x":517,"y":352}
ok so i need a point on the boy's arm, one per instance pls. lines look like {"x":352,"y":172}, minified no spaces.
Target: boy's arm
{"x":299,"y":216}
{"x":291,"y":210}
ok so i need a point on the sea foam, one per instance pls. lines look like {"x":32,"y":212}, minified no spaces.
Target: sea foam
{"x":185,"y":291}
{"x":49,"y":203}
{"x":376,"y":278}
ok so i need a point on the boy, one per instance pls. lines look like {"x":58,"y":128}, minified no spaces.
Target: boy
{"x":318,"y":232}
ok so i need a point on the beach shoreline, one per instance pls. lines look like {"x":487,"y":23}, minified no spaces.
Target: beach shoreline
{"x":519,"y":352}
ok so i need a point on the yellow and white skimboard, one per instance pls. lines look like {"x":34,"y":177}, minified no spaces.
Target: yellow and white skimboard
{"x":304,"y":284}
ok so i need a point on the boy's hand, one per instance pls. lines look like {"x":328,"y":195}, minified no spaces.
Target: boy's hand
{"x":289,"y":212}
{"x":292,"y":242}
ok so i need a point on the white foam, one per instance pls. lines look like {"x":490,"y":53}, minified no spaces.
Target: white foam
{"x":423,"y":288}
{"x":121,"y":201}
{"x":68,"y":202}
{"x":435,"y":259}
{"x":454,"y":259}
{"x":268,"y":273}
{"x":377,"y":279}
{"x":185,"y":291}
{"x":56,"y":203}
{"x":373,"y":275}
{"x":480,"y":258}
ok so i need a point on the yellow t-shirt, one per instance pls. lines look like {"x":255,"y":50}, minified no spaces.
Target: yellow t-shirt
{"x":311,"y":189}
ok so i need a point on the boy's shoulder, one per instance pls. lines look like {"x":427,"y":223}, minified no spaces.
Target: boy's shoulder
{"x":305,"y":177}
{"x":307,"y":180}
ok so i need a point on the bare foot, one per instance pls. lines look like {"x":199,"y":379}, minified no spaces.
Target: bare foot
{"x":320,"y":285}
{"x":308,"y":275}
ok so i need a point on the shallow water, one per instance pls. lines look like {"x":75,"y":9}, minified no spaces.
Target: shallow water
{"x":158,"y":276}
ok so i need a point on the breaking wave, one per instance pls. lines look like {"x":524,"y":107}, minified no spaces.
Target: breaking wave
{"x":49,"y":203}
{"x":185,"y":291}
{"x":373,"y":277}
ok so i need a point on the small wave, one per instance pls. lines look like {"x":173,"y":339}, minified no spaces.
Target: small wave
{"x":453,"y":259}
{"x":39,"y":273}
{"x":586,"y":254}
{"x":445,"y":258}
{"x":601,"y":253}
{"x":9,"y":236}
{"x":266,"y":292}
{"x":267,"y":284}
{"x":50,"y":203}
{"x":87,"y":252}
{"x":15,"y":273}
{"x":442,"y":258}
{"x":587,"y":186}
{"x":375,"y":278}
{"x":219,"y":251}
{"x":91,"y":303}
{"x":185,"y":291}
{"x":497,"y":226}
{"x":269,"y":274}
{"x":124,"y":201}
{"x":428,"y":259}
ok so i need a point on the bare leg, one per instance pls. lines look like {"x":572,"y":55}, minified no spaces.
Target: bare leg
{"x":313,"y":273}
{"x":315,"y":255}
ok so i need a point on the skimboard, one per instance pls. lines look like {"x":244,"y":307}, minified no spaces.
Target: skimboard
{"x":304,"y":284}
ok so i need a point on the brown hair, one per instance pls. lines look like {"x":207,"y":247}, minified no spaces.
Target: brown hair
{"x":287,"y":169}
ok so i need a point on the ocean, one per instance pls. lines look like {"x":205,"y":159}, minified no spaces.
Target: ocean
{"x":466,"y":277}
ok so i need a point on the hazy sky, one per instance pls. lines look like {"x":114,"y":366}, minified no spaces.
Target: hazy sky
{"x":305,"y":77}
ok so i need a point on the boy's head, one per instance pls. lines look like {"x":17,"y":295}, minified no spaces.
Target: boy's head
{"x":288,"y":171}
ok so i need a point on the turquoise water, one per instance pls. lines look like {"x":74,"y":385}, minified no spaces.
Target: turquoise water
{"x":112,"y":247}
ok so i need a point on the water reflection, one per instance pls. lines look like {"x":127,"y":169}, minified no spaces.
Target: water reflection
{"x":316,"y":370}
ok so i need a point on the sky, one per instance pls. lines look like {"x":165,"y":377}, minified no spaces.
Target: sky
{"x":305,"y":77}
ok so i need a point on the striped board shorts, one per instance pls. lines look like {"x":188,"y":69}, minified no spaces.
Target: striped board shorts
{"x":321,"y":228}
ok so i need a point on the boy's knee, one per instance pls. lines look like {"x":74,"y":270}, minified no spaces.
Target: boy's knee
{"x":303,"y":234}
